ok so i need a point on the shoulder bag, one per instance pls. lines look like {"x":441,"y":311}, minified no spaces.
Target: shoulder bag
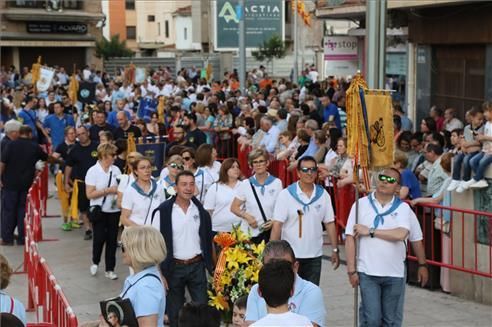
{"x":95,"y":211}
{"x":264,"y":234}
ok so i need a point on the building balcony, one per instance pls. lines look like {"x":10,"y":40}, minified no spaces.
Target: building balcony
{"x":43,"y":15}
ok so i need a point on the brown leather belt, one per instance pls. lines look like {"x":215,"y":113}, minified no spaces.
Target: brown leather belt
{"x":195,"y":259}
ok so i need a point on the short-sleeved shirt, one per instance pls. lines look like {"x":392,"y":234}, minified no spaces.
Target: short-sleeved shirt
{"x":186,"y":240}
{"x":408,"y":179}
{"x":306,"y":301}
{"x":332,"y":110}
{"x":378,"y":257}
{"x":267,"y":200}
{"x":95,"y":129}
{"x":310,"y":244}
{"x":287,"y":319}
{"x":142,"y":206}
{"x":219,"y":199}
{"x":10,"y":304}
{"x":81,"y":158}
{"x":203,"y":180}
{"x":96,"y":176}
{"x":57,"y":127}
{"x":120,"y":133}
{"x":147,"y":295}
{"x":28,"y":117}
{"x":20,"y":157}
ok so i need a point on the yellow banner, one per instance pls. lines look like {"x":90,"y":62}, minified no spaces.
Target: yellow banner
{"x":380,"y":119}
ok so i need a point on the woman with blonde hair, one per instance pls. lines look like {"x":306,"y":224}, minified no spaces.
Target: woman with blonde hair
{"x":101,"y":188}
{"x":143,"y":249}
{"x":8,"y":304}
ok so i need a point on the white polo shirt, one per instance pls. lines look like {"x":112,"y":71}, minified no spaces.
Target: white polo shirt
{"x":97,"y":177}
{"x":202,"y":183}
{"x":245,"y":193}
{"x":125,"y":181}
{"x":186,"y":240}
{"x":379,"y":257}
{"x":415,"y":230}
{"x":142,"y":207}
{"x":219,"y":199}
{"x":310,"y":245}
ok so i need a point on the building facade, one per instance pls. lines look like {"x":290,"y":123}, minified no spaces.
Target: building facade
{"x":62,"y":32}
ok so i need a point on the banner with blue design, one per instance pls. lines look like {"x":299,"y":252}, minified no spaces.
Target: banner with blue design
{"x":156,"y":153}
{"x":146,"y":107}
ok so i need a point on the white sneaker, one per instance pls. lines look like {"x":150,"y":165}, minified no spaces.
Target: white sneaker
{"x":111,"y":275}
{"x":480,"y":184}
{"x":453,"y":185}
{"x":466,"y":185}
{"x":93,"y":270}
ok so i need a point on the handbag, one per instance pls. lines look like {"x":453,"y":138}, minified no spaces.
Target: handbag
{"x":265,"y":234}
{"x":121,"y":309}
{"x":95,"y":211}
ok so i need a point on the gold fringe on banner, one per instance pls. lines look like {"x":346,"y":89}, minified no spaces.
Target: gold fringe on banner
{"x":131,"y":145}
{"x":62,"y":194}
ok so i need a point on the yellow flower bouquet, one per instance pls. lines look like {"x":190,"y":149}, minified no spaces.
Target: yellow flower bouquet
{"x":236,"y":272}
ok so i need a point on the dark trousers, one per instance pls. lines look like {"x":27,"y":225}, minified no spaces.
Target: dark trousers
{"x":105,"y":231}
{"x":13,"y":212}
{"x":193,"y":277}
{"x":310,"y":269}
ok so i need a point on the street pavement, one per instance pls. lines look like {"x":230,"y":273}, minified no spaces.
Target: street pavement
{"x":69,"y":257}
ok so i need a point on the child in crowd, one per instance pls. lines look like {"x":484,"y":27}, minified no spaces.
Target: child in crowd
{"x":239,"y":311}
{"x":470,"y":147}
{"x":276,"y":285}
{"x":482,"y":160}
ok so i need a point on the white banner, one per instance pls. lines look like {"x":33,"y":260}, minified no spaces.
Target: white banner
{"x":45,"y":77}
{"x":140,"y":75}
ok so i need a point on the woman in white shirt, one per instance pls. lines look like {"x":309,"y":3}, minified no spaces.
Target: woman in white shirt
{"x":101,"y":187}
{"x":202,"y":179}
{"x":220,"y":195}
{"x":206,"y":156}
{"x":142,"y":197}
{"x":174,"y":166}
{"x":126,"y":180}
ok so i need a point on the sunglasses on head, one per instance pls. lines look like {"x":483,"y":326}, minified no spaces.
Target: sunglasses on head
{"x":388,"y":179}
{"x":176,"y":166}
{"x":307,"y":170}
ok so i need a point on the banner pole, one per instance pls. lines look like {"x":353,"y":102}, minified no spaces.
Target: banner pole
{"x":356,"y":248}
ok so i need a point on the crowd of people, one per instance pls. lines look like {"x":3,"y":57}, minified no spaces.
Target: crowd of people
{"x":170,"y":216}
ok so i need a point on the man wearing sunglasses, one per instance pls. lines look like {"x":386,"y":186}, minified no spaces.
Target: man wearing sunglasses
{"x":299,"y":222}
{"x":382,"y":227}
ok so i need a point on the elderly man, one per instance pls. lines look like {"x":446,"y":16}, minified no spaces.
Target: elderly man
{"x":125,"y":128}
{"x":450,"y":121}
{"x":11,"y":129}
{"x":270,"y":140}
{"x":300,"y":222}
{"x":382,"y":227}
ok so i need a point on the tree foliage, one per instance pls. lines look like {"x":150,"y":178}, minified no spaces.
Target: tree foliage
{"x":112,"y":48}
{"x":270,"y":49}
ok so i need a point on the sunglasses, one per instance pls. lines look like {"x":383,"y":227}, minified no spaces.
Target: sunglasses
{"x":186,"y":158}
{"x":259,"y":162}
{"x":388,"y":179}
{"x":176,"y":166}
{"x":307,"y":170}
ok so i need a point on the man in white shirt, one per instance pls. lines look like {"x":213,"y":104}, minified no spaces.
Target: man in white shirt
{"x":187,"y":230}
{"x":382,"y":227}
{"x":307,"y":298}
{"x":270,"y":140}
{"x":300,"y":222}
{"x":450,"y":121}
{"x":276,"y":285}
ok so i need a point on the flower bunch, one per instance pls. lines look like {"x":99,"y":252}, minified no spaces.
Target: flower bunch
{"x":237,"y":269}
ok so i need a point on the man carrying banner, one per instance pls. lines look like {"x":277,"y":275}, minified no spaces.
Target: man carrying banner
{"x":27,"y":116}
{"x":299,"y":223}
{"x":382,"y":228}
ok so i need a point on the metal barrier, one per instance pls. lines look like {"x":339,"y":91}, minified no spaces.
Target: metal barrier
{"x":456,"y":245}
{"x":45,"y":296}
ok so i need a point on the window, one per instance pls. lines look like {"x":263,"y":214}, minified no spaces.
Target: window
{"x":159,"y":29}
{"x":151,"y":18}
{"x":185,"y":33}
{"x":131,"y":33}
{"x":130,"y":4}
{"x":166,"y":27}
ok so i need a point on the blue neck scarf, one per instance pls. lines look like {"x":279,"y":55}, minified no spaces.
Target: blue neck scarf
{"x":380,"y":216}
{"x":292,"y":188}
{"x":269,"y":180}
{"x":199,"y":172}
{"x":153,"y":187}
{"x":169,"y":181}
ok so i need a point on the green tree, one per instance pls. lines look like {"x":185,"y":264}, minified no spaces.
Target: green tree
{"x":112,"y":48}
{"x":270,"y":49}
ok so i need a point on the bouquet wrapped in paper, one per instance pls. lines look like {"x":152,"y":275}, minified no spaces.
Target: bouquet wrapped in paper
{"x":236,"y":272}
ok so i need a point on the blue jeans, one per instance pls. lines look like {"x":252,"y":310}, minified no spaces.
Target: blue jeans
{"x":193,"y":277}
{"x":479,"y":163}
{"x":310,"y":269}
{"x":462,"y":160}
{"x":380,"y":299}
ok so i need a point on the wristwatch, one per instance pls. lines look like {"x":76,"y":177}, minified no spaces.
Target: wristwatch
{"x":371,"y":232}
